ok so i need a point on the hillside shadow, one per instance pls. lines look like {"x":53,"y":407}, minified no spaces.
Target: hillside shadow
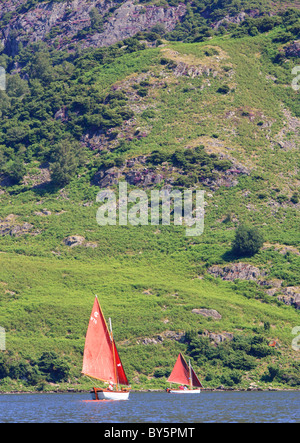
{"x":230,"y":256}
{"x":45,"y":188}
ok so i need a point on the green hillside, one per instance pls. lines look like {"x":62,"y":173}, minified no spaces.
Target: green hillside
{"x":218,"y":115}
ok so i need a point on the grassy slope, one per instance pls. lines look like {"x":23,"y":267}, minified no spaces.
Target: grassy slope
{"x":53,"y":301}
{"x":147,"y":279}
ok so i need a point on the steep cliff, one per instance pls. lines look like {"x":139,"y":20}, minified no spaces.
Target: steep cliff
{"x":60,"y":23}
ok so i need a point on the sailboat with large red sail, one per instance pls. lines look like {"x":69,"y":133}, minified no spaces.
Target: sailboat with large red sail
{"x":101,"y":360}
{"x":184,"y":375}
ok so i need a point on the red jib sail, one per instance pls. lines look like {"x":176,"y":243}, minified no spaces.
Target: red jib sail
{"x":181,"y":374}
{"x":100,"y":358}
{"x":122,"y":379}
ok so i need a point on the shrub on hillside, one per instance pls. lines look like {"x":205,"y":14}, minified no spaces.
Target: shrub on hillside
{"x":32,"y":373}
{"x":67,"y":157}
{"x":223,"y":89}
{"x":295,"y":198}
{"x":247,"y":241}
{"x":55,"y":368}
{"x":16,"y":170}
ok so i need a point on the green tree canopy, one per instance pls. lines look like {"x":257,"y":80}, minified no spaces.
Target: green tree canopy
{"x":67,"y":157}
{"x":247,"y":241}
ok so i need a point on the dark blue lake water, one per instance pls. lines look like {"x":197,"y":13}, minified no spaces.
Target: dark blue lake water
{"x":153,"y":407}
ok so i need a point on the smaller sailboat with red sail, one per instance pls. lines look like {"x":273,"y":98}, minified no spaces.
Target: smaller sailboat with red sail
{"x":184,"y":375}
{"x":101,"y":360}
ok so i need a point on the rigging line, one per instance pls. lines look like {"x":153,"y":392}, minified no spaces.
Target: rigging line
{"x":93,"y":380}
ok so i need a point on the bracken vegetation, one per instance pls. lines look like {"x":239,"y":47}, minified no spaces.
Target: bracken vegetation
{"x":199,"y":107}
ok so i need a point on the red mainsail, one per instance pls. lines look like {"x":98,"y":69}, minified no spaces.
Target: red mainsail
{"x":182,"y":372}
{"x":100,"y":358}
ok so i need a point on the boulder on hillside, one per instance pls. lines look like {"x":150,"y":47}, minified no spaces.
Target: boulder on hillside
{"x":78,"y":240}
{"x":208,"y":313}
{"x":74,"y":240}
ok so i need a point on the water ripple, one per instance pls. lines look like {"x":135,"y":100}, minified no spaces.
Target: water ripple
{"x":153,"y":407}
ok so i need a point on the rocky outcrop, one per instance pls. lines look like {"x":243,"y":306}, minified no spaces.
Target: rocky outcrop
{"x":160,"y":338}
{"x":242,"y":271}
{"x":78,"y":240}
{"x":236,"y":19}
{"x":180,"y":337}
{"x":183,"y":69}
{"x":39,"y":179}
{"x":290,"y":296}
{"x":218,"y":337}
{"x":293,"y":50}
{"x":36,"y":24}
{"x":74,"y":240}
{"x":10,"y":226}
{"x":60,"y":22}
{"x":10,"y":6}
{"x":131,"y":18}
{"x":289,"y":136}
{"x":134,"y":172}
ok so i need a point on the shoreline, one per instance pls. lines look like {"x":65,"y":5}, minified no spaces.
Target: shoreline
{"x":82,"y":391}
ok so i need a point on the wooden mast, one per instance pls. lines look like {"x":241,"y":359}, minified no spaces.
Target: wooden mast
{"x":190,"y":372}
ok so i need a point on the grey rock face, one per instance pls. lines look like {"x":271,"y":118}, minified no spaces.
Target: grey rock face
{"x":70,"y":17}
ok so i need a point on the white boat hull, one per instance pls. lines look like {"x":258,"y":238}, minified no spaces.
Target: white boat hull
{"x":184,"y":391}
{"x":110,"y":395}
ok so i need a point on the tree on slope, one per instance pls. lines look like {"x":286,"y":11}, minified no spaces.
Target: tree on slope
{"x":247,"y":241}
